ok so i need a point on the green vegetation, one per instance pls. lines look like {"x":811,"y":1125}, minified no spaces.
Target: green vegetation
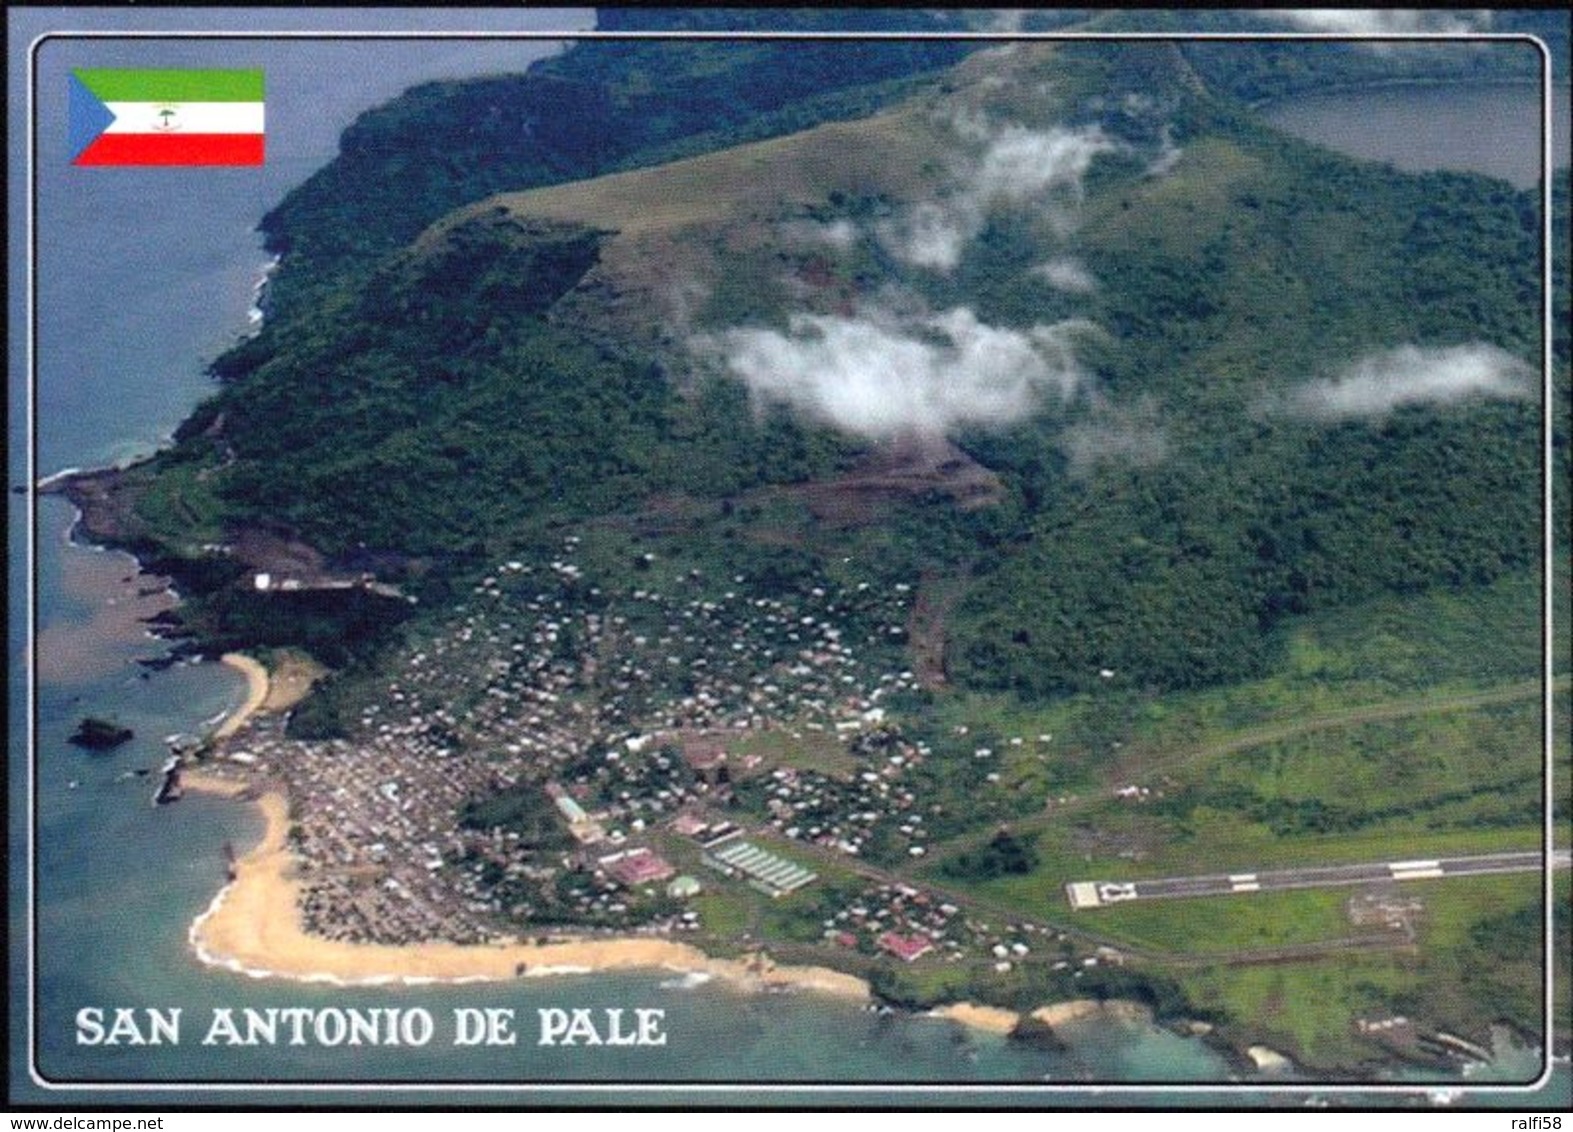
{"x":525,"y":810}
{"x":594,"y":109}
{"x":1174,"y":575}
{"x":1254,"y":637}
{"x":1004,"y":855}
{"x":436,"y":403}
{"x":1230,"y":924}
{"x":1478,"y":963}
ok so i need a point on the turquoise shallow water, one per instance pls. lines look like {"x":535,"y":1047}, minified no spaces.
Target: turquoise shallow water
{"x":118,"y":881}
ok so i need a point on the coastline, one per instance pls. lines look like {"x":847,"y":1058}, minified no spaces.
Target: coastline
{"x":1086,"y":1009}
{"x":254,"y":927}
{"x":257,"y":688}
{"x":990,"y":1019}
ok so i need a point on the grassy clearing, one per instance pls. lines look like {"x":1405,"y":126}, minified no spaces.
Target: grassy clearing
{"x":1308,"y":1008}
{"x":723,"y":913}
{"x":181,"y":502}
{"x":1182,"y":210}
{"x":804,"y":750}
{"x":1223,"y":924}
{"x":1453,"y":908}
{"x":930,"y":980}
{"x":880,"y":154}
{"x":1391,"y":766}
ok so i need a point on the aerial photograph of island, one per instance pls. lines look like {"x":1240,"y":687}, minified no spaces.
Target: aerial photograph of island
{"x":857,"y":558}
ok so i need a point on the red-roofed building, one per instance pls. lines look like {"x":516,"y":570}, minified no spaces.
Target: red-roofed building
{"x":639,"y":866}
{"x":688,"y":823}
{"x":906,"y":947}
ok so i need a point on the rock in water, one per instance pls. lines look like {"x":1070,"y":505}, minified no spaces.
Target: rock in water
{"x":99,"y":734}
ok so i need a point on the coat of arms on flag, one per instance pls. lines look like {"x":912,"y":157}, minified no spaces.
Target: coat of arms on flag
{"x":144,"y":117}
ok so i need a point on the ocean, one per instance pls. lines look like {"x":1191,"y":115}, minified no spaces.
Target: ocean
{"x":143,"y":277}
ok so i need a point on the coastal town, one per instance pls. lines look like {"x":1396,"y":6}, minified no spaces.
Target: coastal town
{"x":560,"y":762}
{"x":590,"y":768}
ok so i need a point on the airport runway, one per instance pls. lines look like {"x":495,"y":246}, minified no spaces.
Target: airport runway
{"x":1093,"y":894}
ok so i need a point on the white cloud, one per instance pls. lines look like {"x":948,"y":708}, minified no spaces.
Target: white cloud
{"x":1381,"y":21}
{"x":1128,"y":436}
{"x":930,"y":234}
{"x":1067,"y":274}
{"x":1168,"y":156}
{"x":881,"y":376}
{"x":1020,"y":163}
{"x":1016,"y":165}
{"x":1414,"y":375}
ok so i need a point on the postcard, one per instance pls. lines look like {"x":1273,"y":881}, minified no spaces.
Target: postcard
{"x":762,"y":558}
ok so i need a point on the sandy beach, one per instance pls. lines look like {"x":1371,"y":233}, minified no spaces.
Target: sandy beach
{"x":205,"y":783}
{"x":291,"y":678}
{"x":254,"y":925}
{"x":1083,"y":1009}
{"x":256,"y":692}
{"x":994,"y":1019}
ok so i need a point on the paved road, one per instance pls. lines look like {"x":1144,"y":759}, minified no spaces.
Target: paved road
{"x":1092,"y":894}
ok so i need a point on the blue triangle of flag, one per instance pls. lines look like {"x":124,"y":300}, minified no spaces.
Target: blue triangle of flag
{"x":86,"y":119}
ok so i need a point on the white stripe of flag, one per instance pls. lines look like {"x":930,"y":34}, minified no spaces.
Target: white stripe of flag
{"x":188,"y":117}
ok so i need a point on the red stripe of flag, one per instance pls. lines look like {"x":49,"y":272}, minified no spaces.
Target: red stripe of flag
{"x":173,"y":149}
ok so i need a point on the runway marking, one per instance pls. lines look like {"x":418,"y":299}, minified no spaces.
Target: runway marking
{"x":1083,"y":894}
{"x":1096,"y":894}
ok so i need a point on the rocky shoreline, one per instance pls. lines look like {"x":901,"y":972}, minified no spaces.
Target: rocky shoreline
{"x":104,"y":499}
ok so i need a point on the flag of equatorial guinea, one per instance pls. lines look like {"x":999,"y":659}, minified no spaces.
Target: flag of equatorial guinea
{"x":207,"y":117}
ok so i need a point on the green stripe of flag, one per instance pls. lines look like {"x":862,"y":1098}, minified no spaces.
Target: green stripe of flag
{"x":173,"y":86}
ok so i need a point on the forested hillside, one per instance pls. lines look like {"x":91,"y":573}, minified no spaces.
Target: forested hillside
{"x":1262,"y":380}
{"x":593,"y":109}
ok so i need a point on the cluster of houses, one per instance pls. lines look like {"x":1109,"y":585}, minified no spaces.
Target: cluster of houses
{"x":847,"y":814}
{"x":898,"y":920}
{"x":372,"y":828}
{"x":622,"y":709}
{"x":627,"y":719}
{"x":909,"y":923}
